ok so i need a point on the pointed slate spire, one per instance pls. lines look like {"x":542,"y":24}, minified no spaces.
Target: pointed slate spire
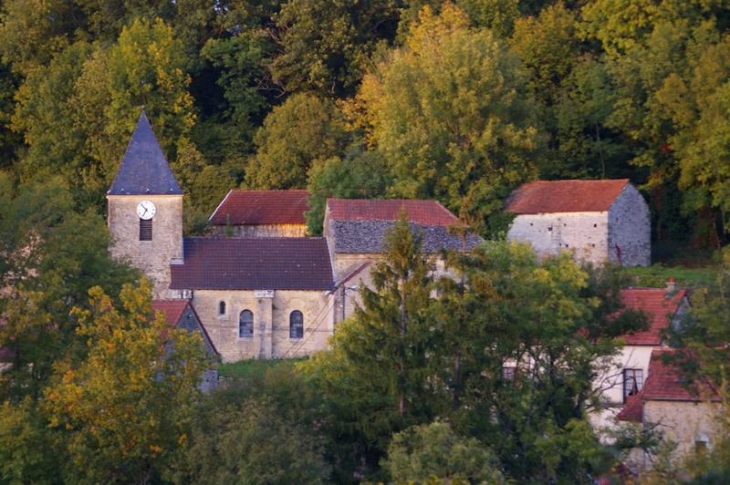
{"x":144,"y":169}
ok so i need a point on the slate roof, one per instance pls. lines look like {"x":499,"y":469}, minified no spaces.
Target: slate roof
{"x":422,"y":212}
{"x":658,"y":305}
{"x":359,"y":226}
{"x":277,"y":263}
{"x":261,"y":207}
{"x":144,"y":168}
{"x":545,"y":197}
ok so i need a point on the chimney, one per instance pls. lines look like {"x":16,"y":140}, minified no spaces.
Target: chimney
{"x":671,"y":286}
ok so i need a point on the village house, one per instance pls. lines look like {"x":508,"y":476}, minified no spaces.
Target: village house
{"x":688,"y":414}
{"x":257,"y":287}
{"x":629,"y":370}
{"x":599,"y":221}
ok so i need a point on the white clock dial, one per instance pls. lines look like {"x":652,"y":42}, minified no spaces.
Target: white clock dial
{"x":146,"y":210}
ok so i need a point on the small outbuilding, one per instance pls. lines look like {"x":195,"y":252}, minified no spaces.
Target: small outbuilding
{"x":599,"y":221}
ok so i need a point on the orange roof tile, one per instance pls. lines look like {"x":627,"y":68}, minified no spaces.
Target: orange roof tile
{"x":667,"y":383}
{"x":423,"y":212}
{"x":173,"y":309}
{"x":261,"y":207}
{"x":633,"y":410}
{"x":658,"y":306}
{"x":543,"y":197}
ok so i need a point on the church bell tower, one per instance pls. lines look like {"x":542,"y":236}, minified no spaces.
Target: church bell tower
{"x":145,"y":209}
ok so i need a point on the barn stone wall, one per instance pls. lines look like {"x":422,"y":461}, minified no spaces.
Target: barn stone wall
{"x":629,"y":236}
{"x":271,"y":311}
{"x":584,"y":234}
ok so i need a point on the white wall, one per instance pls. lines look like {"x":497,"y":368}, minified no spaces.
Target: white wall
{"x":584,"y":234}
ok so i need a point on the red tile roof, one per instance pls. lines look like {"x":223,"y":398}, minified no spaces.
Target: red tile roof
{"x":173,"y":309}
{"x":277,"y":263}
{"x":658,"y":306}
{"x":261,"y":207}
{"x":633,"y":409}
{"x":667,"y":383}
{"x":543,"y":197}
{"x":423,"y":212}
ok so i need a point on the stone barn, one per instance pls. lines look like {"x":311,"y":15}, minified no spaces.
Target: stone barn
{"x":598,"y":221}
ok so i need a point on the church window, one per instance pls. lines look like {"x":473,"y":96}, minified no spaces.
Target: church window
{"x":296,"y":324}
{"x":221,"y":308}
{"x":245,"y":324}
{"x":633,"y":380}
{"x":145,"y":230}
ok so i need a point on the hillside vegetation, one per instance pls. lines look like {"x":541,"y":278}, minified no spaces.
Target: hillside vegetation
{"x":458,"y":101}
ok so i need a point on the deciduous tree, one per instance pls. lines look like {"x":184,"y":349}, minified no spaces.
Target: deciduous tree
{"x":121,"y":412}
{"x":449,"y":114}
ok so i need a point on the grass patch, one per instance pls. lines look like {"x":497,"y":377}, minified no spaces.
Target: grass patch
{"x":657,"y":275}
{"x":251,"y":368}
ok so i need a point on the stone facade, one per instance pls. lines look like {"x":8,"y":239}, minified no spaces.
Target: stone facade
{"x":688,"y":424}
{"x":152,"y":257}
{"x":271,"y":320}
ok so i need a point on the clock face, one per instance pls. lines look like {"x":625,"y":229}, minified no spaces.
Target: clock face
{"x":146,"y":210}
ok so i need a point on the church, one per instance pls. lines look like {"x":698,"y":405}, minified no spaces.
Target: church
{"x":258,"y":287}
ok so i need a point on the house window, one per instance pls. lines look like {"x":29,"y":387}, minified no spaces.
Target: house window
{"x":245,"y":324}
{"x":145,"y":230}
{"x":633,"y":380}
{"x":221,"y":308}
{"x":296,"y":324}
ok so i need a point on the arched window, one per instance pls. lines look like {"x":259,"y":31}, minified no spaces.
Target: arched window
{"x":221,"y":308}
{"x":296,"y":324}
{"x":245,"y":324}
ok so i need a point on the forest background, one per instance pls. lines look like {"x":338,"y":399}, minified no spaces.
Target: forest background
{"x":460,"y":102}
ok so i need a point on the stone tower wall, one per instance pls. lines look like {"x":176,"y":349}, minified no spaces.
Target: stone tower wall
{"x":152,"y":257}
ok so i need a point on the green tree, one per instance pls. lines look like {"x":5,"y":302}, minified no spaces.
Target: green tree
{"x":373,"y":376}
{"x":499,"y":16}
{"x":325,"y":44}
{"x":25,"y":442}
{"x":434,"y":453}
{"x":121,"y":413}
{"x":78,"y":113}
{"x":295,"y":135}
{"x":359,"y":175}
{"x":448,"y":112}
{"x":258,"y":430}
{"x":51,"y":257}
{"x":520,"y":344}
